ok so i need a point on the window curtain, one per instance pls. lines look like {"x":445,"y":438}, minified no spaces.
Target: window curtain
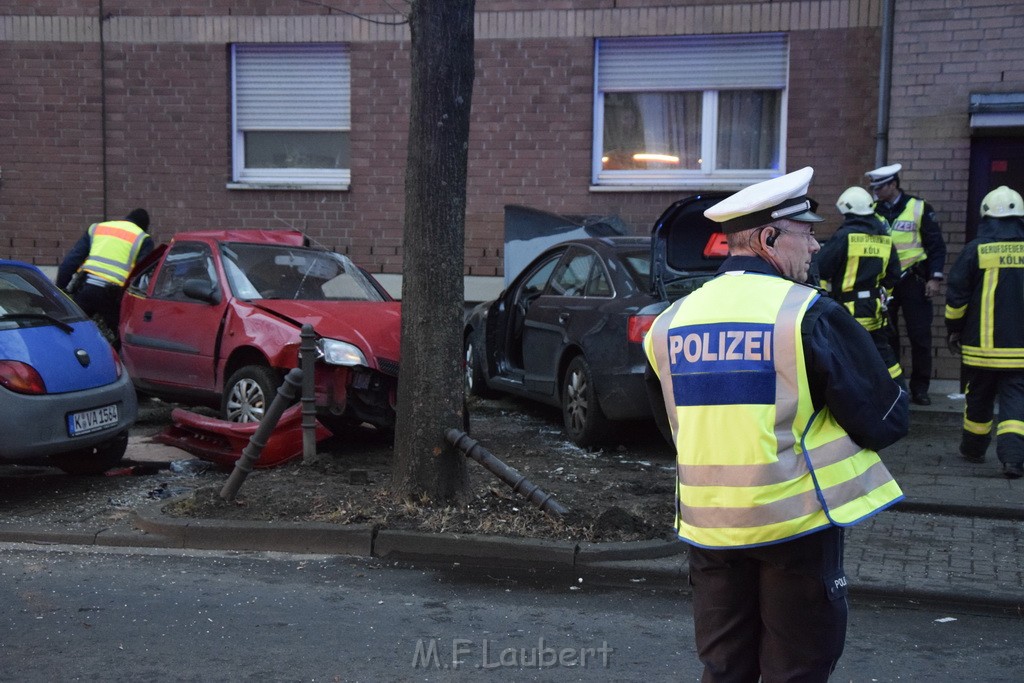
{"x":747,"y":122}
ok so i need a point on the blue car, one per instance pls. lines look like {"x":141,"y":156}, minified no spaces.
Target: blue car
{"x":65,"y":398}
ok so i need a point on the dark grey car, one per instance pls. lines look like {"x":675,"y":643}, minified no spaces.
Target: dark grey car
{"x":567,"y":331}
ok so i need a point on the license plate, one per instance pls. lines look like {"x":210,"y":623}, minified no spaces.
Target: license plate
{"x":89,"y":421}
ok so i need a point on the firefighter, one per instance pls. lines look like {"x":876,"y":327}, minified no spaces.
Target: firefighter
{"x":922,"y":252}
{"x":984,"y":324}
{"x":777,"y":402}
{"x":859,"y":267}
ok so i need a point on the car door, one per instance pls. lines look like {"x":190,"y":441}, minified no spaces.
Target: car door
{"x":545,"y":334}
{"x":169,"y":337}
{"x":507,"y":315}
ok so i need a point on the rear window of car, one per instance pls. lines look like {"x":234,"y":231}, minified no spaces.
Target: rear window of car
{"x":638,"y":265}
{"x":27,"y":298}
{"x":275,"y":271}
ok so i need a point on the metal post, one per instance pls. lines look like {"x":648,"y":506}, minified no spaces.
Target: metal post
{"x":251,"y":453}
{"x":885,"y":83}
{"x":307,"y":358}
{"x":520,"y":484}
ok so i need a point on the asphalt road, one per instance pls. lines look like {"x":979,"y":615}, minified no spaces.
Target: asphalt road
{"x":71,"y":613}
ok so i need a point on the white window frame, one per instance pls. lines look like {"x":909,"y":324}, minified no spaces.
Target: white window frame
{"x":708,"y":64}
{"x":300,"y":87}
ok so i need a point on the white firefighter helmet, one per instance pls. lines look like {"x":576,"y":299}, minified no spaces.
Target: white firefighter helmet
{"x":1001,"y":203}
{"x":855,"y":200}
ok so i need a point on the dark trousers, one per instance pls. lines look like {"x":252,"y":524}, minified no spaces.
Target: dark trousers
{"x":917,"y":316}
{"x":775,"y":613}
{"x":103,"y":304}
{"x":983,"y":388}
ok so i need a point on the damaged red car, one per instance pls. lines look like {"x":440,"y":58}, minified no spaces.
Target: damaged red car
{"x":213,"y":318}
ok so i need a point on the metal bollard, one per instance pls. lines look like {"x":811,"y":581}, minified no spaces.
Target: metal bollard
{"x":307,"y":358}
{"x":520,"y":484}
{"x":251,"y":453}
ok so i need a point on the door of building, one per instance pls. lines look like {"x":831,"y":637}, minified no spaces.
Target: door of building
{"x":995,"y":161}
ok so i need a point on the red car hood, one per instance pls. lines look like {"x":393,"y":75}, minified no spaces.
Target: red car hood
{"x":374,"y":326}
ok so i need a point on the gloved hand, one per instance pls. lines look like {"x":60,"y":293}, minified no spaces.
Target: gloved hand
{"x":953,"y":343}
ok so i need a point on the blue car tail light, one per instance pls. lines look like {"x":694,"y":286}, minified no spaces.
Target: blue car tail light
{"x":21,"y":377}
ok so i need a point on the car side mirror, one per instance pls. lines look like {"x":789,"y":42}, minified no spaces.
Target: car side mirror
{"x":203,"y":290}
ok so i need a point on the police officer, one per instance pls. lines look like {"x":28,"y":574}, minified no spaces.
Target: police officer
{"x":922,"y":253}
{"x":777,"y":402}
{"x":859,"y":267}
{"x":984,"y":323}
{"x":95,"y":270}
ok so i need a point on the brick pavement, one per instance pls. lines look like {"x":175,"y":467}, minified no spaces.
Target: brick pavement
{"x":958,"y":535}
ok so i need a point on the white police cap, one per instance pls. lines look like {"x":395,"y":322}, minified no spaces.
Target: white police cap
{"x":884,"y":174}
{"x":760,"y":204}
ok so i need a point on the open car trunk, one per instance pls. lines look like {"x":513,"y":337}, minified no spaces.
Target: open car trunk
{"x":686,"y":247}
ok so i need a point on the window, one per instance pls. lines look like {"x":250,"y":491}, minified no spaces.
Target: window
{"x":571,"y":277}
{"x":272,"y":271}
{"x":534,"y":285}
{"x":291,"y":115}
{"x":698,"y":111}
{"x":185,"y":261}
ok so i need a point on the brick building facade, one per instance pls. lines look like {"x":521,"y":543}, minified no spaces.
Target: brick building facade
{"x":111,"y":104}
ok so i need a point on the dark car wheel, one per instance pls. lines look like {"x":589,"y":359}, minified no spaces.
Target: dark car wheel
{"x":95,"y":460}
{"x":476,"y":385}
{"x":248,"y":393}
{"x":585,"y":422}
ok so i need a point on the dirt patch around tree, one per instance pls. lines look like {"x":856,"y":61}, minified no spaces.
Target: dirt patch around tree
{"x":622,"y":492}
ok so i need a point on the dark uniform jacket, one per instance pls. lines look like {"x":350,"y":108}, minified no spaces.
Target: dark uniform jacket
{"x":990,"y":319}
{"x":931,"y":235}
{"x":863,"y":298}
{"x":844,"y":371}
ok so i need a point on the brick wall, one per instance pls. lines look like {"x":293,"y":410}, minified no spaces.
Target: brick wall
{"x":942,"y":53}
{"x":50,"y":178}
{"x":167,"y":102}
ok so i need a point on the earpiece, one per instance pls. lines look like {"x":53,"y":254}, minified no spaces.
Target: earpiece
{"x":770,"y":239}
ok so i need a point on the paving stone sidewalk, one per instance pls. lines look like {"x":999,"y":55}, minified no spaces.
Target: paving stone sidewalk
{"x":958,"y":535}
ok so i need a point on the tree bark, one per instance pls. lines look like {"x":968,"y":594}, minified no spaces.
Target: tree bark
{"x":430,"y":388}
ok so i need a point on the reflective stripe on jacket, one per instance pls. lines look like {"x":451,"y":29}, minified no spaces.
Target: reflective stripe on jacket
{"x":905,"y":230}
{"x":983,"y":302}
{"x":114,"y":246}
{"x":857,"y":269}
{"x":756,"y":464}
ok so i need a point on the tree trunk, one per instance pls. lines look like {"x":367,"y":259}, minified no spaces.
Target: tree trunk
{"x":430,"y":387}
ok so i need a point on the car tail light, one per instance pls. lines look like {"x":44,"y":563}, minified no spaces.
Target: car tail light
{"x":638,"y":326}
{"x":118,"y":366}
{"x":21,"y":377}
{"x":717,"y":246}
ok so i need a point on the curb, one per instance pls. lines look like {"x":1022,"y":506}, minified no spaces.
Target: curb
{"x":220,"y":534}
{"x":366,"y":541}
{"x":959,"y":510}
{"x":652,"y":564}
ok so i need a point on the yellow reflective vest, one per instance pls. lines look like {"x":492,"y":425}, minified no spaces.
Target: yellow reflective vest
{"x":906,"y":233}
{"x":756,"y":463}
{"x":114,"y":246}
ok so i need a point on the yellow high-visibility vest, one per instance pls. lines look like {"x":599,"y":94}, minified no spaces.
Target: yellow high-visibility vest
{"x":114,"y":247}
{"x":756,"y":463}
{"x":905,"y":230}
